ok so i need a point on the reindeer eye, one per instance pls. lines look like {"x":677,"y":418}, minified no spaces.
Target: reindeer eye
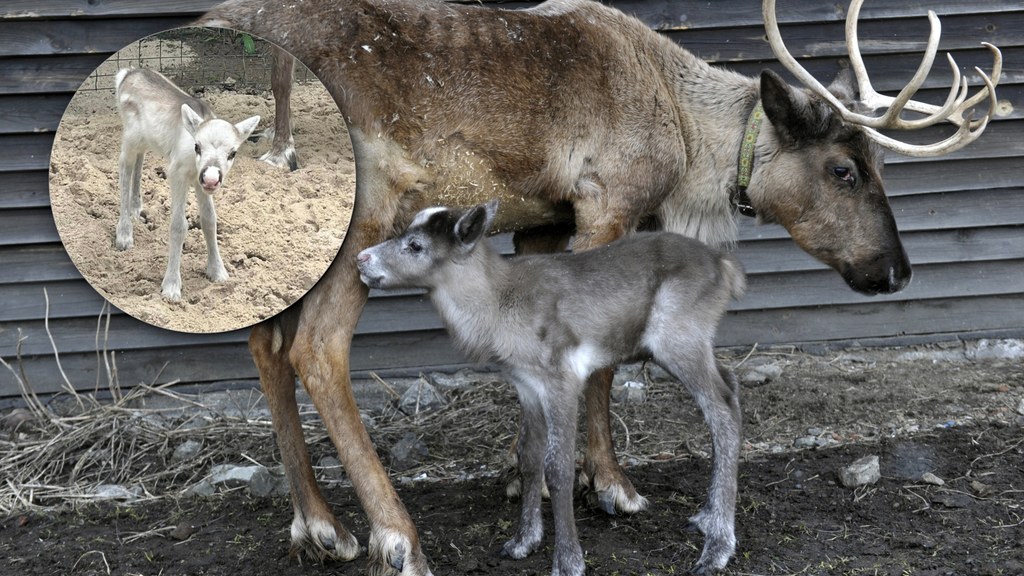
{"x":843,"y":173}
{"x":231,"y":156}
{"x":415,"y":247}
{"x":199,"y":149}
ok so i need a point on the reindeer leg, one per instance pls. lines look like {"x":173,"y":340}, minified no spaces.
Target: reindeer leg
{"x":215,"y":270}
{"x":543,"y":240}
{"x":171,"y":285}
{"x":597,"y":225}
{"x":314,"y":530}
{"x":320,"y":354}
{"x":282,"y":148}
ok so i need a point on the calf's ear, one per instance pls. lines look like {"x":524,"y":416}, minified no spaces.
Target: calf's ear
{"x":474,"y":224}
{"x":190,"y":119}
{"x":245,"y":127}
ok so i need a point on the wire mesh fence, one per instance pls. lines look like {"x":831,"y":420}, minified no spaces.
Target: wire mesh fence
{"x":197,"y":58}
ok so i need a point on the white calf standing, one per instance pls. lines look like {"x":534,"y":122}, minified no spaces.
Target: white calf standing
{"x":200,"y":149}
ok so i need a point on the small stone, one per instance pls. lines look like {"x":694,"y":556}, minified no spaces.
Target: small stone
{"x":805,"y":442}
{"x":186,"y":451}
{"x":862,"y":472}
{"x":980,"y":488}
{"x":114,"y":492}
{"x":408,"y":452}
{"x":183,"y":531}
{"x":420,"y":398}
{"x":331,"y":468}
{"x":630,"y":392}
{"x":461,"y":380}
{"x":929,"y":478}
{"x":815,"y":431}
{"x":17,"y":418}
{"x":260,"y":481}
{"x":760,"y":375}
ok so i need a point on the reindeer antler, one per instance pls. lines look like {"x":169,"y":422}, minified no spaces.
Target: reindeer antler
{"x":952,"y":110}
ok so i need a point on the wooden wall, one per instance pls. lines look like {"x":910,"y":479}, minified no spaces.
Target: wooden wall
{"x":961,"y":215}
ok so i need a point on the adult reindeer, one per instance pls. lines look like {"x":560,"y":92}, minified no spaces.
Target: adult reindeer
{"x":578,"y":118}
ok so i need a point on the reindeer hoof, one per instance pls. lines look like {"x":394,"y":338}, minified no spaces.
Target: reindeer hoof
{"x":613,"y":496}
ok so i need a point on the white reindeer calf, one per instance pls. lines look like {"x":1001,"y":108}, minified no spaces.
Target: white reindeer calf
{"x":553,"y":320}
{"x":199,"y":148}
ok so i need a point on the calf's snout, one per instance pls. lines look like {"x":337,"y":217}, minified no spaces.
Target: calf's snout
{"x":210,"y":178}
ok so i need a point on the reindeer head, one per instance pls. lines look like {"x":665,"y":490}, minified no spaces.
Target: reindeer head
{"x":824,"y":183}
{"x":437,"y":239}
{"x":216,"y":142}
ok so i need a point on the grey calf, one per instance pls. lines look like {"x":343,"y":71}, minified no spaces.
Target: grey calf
{"x":552,"y":320}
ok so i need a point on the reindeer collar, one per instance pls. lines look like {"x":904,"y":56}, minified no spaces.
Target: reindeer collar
{"x":739,"y":198}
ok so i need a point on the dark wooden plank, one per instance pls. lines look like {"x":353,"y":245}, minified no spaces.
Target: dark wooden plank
{"x":24,"y":189}
{"x":876,"y":37}
{"x":25,"y":152}
{"x":34,"y":9}
{"x":923,"y":247}
{"x":32,"y":113}
{"x":70,"y":299}
{"x":46,"y":263}
{"x":881,"y":320}
{"x":46,"y":74}
{"x":213,"y":363}
{"x":954,"y":175}
{"x":30,"y":226}
{"x":78,"y":335}
{"x":889,"y":72}
{"x":969,"y":209}
{"x":46,"y":37}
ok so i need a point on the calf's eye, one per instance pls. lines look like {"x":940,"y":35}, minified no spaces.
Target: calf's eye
{"x":199,"y":149}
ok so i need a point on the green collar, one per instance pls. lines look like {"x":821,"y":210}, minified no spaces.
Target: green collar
{"x":746,"y":162}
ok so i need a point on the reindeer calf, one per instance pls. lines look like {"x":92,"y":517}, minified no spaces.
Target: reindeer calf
{"x":552,"y":320}
{"x":200,"y":149}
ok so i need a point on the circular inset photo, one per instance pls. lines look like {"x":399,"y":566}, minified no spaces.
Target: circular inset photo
{"x":176,"y":198}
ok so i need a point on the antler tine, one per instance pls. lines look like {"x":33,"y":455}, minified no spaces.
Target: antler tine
{"x":952,"y":110}
{"x":967,"y":133}
{"x":997,"y":71}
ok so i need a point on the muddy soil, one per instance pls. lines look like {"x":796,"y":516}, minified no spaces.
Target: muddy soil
{"x":278,"y":231}
{"x":956,"y":412}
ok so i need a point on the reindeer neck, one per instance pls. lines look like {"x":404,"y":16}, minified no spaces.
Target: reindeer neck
{"x":713,"y":108}
{"x":468,"y":299}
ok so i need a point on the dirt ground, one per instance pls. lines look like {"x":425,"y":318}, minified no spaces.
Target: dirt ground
{"x":955,"y":411}
{"x":278,"y":231}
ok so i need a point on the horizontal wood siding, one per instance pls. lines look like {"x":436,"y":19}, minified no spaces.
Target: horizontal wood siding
{"x":961,"y":216}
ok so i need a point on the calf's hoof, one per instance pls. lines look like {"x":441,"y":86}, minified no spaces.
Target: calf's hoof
{"x":719,"y":543}
{"x":171,"y":291}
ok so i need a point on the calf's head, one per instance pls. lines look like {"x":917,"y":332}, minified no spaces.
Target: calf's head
{"x":822,"y":181}
{"x":216,"y":142}
{"x":431,"y":249}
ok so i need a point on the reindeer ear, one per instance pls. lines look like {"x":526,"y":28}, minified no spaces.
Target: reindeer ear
{"x":845,"y":88}
{"x":475,"y":223}
{"x":793,"y":114}
{"x":245,"y":127}
{"x":190,"y":118}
